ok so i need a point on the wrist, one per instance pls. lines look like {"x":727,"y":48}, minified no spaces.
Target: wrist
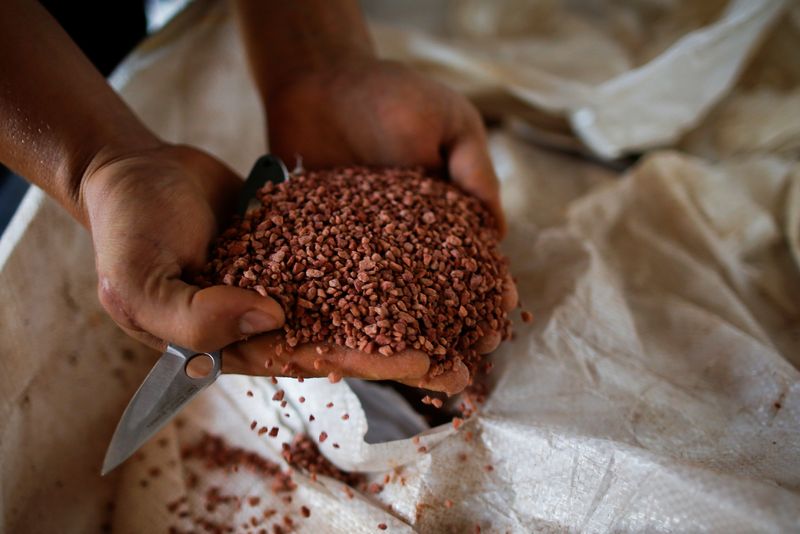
{"x":320,"y":66}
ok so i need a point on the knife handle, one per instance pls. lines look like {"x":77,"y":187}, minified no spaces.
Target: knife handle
{"x":188,"y":355}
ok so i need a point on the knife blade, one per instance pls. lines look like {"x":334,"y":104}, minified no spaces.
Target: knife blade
{"x":168,"y":387}
{"x":165,"y":390}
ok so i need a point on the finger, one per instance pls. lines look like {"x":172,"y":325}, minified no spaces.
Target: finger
{"x":201,"y":319}
{"x":267,"y":355}
{"x":470,"y":166}
{"x":510,"y":294}
{"x":488,"y":343}
{"x":450,"y":382}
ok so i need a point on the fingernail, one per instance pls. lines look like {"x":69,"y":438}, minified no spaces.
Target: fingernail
{"x":257,"y":321}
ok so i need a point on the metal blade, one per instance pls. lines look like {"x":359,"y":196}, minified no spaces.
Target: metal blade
{"x":163,"y":393}
{"x":267,"y":168}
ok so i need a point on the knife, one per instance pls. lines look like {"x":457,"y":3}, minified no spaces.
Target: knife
{"x":168,"y":386}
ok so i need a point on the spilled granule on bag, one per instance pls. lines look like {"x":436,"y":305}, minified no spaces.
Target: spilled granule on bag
{"x":379,"y":260}
{"x":213,"y":453}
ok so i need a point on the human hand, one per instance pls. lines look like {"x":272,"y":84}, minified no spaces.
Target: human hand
{"x":371,"y":112}
{"x":266,"y":354}
{"x":152,"y":214}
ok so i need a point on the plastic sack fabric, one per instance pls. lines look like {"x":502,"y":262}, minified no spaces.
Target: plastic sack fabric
{"x":656,"y":390}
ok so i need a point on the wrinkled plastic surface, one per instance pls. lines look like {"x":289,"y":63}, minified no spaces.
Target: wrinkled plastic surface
{"x":656,"y":390}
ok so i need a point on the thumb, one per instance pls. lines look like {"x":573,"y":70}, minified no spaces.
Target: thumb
{"x":201,"y":319}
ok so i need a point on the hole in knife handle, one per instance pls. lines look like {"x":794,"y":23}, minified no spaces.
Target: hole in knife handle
{"x":199,"y":366}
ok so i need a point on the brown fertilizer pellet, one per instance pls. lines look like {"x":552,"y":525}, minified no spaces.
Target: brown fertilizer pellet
{"x":378,"y":260}
{"x":304,"y":455}
{"x":527,"y":316}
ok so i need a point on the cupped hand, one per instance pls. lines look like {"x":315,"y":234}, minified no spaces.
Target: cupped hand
{"x":266,"y":354}
{"x":371,"y":112}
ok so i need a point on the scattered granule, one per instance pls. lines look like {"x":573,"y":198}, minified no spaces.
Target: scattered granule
{"x":348,"y":491}
{"x":426,"y":399}
{"x":437,"y":403}
{"x":345,"y":416}
{"x":304,"y":454}
{"x":375,"y":488}
{"x":386,"y":478}
{"x":254,"y":501}
{"x":334,"y":377}
{"x":335,"y":445}
{"x":474,"y":395}
{"x":263,"y":430}
{"x":273,"y":432}
{"x":379,"y":260}
{"x":302,"y":400}
{"x":382,"y":526}
{"x":527,"y":317}
{"x":283,"y":404}
{"x":457,"y":422}
{"x":448,"y":503}
{"x":329,"y":405}
{"x":249,"y":393}
{"x":323,"y":436}
{"x":488,"y":468}
{"x":311,"y":418}
{"x":154,"y":471}
{"x":253,"y":425}
{"x":286,"y":415}
{"x":213,"y":452}
{"x":415,"y":440}
{"x":422,"y":449}
{"x":462,"y":457}
{"x":173,"y":506}
{"x":304,"y":511}
{"x":278,"y":396}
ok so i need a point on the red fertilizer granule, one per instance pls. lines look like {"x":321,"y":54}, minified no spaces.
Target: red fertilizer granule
{"x":377,"y":260}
